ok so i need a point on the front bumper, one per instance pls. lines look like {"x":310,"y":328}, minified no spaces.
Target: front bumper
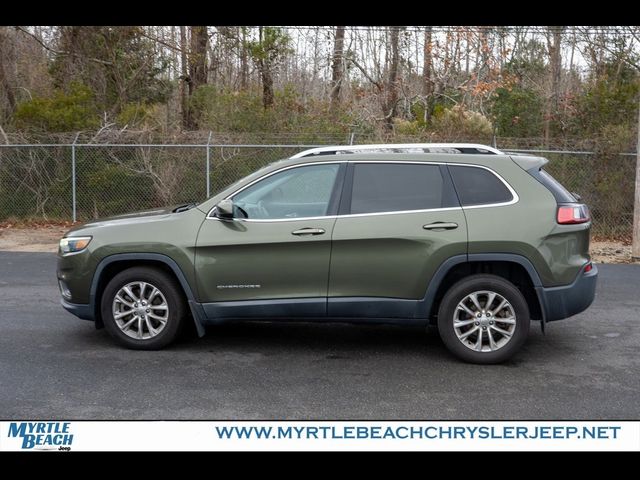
{"x":568,"y":300}
{"x":83,"y":311}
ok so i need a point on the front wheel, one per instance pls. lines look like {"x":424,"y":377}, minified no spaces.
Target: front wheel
{"x":143,"y":308}
{"x":483,"y":319}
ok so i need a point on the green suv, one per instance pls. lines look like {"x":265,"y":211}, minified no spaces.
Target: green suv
{"x":476,"y":243}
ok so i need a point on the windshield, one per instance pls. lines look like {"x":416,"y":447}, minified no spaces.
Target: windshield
{"x":233,"y":185}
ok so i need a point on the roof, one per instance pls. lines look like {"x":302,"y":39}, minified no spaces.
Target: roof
{"x":454,"y":148}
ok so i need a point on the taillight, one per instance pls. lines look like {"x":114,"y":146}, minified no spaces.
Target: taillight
{"x":588,"y":267}
{"x":573,"y":213}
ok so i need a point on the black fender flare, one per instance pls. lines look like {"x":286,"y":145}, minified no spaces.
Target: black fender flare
{"x":195,"y":307}
{"x":427,"y":302}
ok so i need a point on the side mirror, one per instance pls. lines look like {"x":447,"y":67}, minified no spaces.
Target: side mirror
{"x":224,"y":209}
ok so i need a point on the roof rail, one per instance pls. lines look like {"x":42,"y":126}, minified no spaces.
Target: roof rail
{"x":402,"y":148}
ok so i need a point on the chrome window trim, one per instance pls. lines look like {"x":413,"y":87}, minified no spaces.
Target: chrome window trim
{"x":277,"y":220}
{"x":400,"y":212}
{"x":329,"y":217}
{"x":514,"y":194}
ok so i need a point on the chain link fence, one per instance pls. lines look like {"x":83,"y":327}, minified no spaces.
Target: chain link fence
{"x":86,"y":181}
{"x":605,"y":182}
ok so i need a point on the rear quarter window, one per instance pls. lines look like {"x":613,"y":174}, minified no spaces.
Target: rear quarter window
{"x":560,"y":193}
{"x":478,"y":186}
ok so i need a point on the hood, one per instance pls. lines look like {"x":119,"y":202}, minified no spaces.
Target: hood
{"x":127,"y":218}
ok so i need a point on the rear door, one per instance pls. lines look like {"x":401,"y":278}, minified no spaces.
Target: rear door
{"x":399,"y":221}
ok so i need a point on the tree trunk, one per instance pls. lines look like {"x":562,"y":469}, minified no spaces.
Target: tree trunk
{"x":390,"y":104}
{"x":427,"y":83}
{"x":267,"y":84}
{"x":467,"y":53}
{"x":198,"y":58}
{"x":264,"y":65}
{"x":337,"y":68}
{"x":555,"y":59}
{"x":447,"y":60}
{"x":244,"y":61}
{"x":4,"y":80}
{"x":456,"y":52}
{"x":70,"y":38}
{"x":184,"y":85}
{"x":635,"y":246}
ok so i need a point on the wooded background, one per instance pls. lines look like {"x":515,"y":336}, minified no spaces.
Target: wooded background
{"x":551,"y":85}
{"x":543,"y":87}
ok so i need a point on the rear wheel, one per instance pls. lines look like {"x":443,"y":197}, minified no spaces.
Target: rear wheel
{"x":143,"y":308}
{"x":483,"y":319}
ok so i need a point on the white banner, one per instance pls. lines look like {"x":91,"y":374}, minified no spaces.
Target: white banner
{"x":318,"y":435}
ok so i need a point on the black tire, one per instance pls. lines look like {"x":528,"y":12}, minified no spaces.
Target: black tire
{"x":467,"y":286}
{"x":175,"y":300}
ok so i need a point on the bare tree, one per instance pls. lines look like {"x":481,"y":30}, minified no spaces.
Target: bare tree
{"x":198,"y":58}
{"x":427,"y":81}
{"x":244,"y":60}
{"x":267,"y":52}
{"x":264,"y":65}
{"x":184,"y":85}
{"x":390,"y":105}
{"x":337,"y":67}
{"x":554,"y":39}
{"x":5,"y":84}
{"x":199,"y":40}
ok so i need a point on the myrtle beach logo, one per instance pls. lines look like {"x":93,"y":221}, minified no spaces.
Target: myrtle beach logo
{"x":42,"y":435}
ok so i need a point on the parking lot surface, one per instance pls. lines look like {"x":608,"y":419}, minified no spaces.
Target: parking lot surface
{"x":54,"y":366}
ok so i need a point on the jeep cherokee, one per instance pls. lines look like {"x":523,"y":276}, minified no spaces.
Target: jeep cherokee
{"x":477,"y":244}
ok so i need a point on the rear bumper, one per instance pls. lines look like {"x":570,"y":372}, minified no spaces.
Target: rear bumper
{"x":568,"y":300}
{"x":83,"y":311}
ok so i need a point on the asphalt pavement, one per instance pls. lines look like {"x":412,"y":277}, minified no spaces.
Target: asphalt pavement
{"x":54,"y":366}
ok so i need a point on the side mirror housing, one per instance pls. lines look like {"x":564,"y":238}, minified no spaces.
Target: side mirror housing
{"x":224,"y":209}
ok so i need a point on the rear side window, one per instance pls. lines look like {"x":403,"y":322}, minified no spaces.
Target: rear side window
{"x":477,"y":186}
{"x":560,"y":193}
{"x":395,"y":187}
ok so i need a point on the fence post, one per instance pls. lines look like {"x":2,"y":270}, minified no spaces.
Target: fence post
{"x":635,"y":243}
{"x":208,"y":166}
{"x":73,"y":177}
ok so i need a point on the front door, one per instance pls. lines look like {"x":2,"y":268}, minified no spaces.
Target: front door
{"x":277,"y":249}
{"x":401,"y":221}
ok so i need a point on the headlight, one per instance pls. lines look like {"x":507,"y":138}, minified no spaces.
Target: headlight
{"x":73,"y":244}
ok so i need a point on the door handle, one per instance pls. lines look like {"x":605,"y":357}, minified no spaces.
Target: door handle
{"x":308,"y":231}
{"x":439,"y":226}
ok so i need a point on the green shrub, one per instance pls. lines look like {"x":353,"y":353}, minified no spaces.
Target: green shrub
{"x":406,"y":127}
{"x":243,"y":112}
{"x":517,"y":112}
{"x":139,"y":115}
{"x":62,"y":112}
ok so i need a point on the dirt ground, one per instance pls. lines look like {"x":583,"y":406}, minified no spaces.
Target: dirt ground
{"x":610,"y":252}
{"x":39,"y":238}
{"x":44,"y":238}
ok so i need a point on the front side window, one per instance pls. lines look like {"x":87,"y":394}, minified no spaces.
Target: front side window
{"x":395,"y":187}
{"x":294,"y":193}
